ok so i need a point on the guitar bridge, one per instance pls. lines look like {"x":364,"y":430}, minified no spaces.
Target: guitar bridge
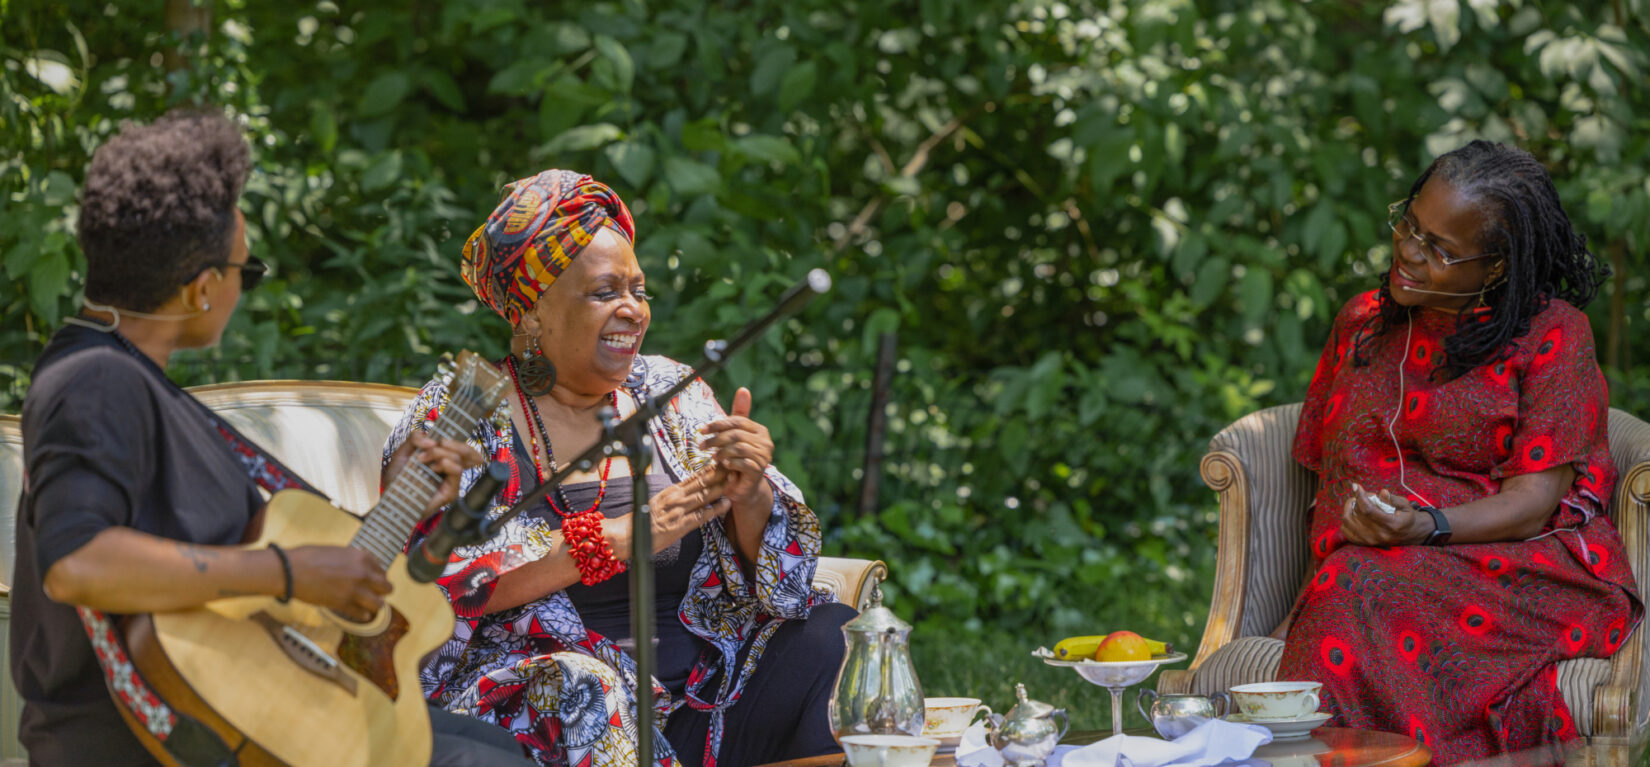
{"x":304,"y":652}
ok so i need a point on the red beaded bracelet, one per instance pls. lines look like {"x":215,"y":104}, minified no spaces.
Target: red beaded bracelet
{"x":590,"y":549}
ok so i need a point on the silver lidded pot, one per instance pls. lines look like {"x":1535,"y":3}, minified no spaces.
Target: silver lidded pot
{"x":876,"y":691}
{"x":1027,"y":736}
{"x":1175,"y":715}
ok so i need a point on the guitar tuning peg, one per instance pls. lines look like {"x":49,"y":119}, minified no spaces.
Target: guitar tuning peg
{"x":446,"y":366}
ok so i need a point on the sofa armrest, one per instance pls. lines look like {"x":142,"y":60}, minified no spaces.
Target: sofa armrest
{"x":1264,"y":498}
{"x":851,"y":580}
{"x":1620,"y":704}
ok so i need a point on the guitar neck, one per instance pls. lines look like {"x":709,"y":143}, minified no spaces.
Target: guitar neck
{"x":475,"y":391}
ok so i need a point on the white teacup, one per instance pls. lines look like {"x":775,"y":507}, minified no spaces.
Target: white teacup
{"x":888,"y":750}
{"x":1276,"y":700}
{"x":946,"y":718}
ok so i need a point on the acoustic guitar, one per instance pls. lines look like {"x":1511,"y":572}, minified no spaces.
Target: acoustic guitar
{"x":295,"y":684}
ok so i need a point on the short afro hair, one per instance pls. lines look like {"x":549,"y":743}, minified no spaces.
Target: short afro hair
{"x":158,"y":206}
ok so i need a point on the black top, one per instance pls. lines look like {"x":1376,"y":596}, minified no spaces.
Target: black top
{"x":605,"y":607}
{"x":107,"y":442}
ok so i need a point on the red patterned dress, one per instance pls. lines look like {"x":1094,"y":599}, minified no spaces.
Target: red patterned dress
{"x":1456,"y":645}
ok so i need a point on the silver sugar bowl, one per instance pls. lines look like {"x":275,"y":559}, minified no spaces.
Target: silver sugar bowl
{"x":1027,"y":736}
{"x":1175,"y":715}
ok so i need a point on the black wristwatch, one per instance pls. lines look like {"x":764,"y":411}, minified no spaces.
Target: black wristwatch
{"x":1440,"y":526}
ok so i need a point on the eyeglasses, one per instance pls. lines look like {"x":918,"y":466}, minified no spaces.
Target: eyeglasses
{"x":1397,"y":217}
{"x":252,"y":271}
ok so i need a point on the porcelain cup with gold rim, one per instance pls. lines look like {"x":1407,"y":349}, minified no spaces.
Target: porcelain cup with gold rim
{"x":888,"y":750}
{"x":945,"y":718}
{"x":1276,"y":700}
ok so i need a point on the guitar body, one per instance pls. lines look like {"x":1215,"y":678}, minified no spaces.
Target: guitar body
{"x":292,"y":684}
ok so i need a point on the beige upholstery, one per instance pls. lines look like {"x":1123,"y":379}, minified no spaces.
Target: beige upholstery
{"x":1263,"y":557}
{"x":332,"y":434}
{"x":11,"y":485}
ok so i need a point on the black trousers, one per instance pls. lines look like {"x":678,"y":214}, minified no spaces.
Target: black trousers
{"x":782,"y":714}
{"x":462,"y":741}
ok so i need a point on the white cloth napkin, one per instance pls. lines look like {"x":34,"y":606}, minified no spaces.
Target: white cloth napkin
{"x":1215,"y":741}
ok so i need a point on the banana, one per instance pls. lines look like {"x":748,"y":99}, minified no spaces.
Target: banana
{"x":1078,"y":648}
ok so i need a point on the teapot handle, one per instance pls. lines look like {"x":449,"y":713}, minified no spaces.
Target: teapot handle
{"x":1065,"y":723}
{"x":1225,"y":704}
{"x":1140,"y":702}
{"x":993,"y":724}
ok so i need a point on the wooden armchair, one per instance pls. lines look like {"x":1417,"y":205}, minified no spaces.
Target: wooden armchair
{"x":1263,"y":557}
{"x":331,"y":433}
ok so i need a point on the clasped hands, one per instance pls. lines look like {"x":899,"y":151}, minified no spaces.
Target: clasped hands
{"x":1366,"y":524}
{"x":741,"y":452}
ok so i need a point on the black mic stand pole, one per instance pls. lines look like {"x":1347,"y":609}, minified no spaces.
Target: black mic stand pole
{"x":630,"y":438}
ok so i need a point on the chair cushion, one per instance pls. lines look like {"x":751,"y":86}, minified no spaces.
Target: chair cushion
{"x":1246,"y":660}
{"x":1255,"y":659}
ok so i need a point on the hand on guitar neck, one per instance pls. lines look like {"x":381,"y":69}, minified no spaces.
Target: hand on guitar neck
{"x":122,"y":570}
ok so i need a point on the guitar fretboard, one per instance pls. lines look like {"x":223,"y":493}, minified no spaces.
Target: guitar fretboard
{"x":392,"y":519}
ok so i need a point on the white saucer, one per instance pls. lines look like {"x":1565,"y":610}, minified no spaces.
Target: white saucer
{"x":1285,"y":729}
{"x":947,"y":744}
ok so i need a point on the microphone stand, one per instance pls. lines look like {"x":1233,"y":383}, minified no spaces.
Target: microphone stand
{"x":630,"y":437}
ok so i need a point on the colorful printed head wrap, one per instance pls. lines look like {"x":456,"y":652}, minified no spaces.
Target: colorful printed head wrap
{"x":542,"y":223}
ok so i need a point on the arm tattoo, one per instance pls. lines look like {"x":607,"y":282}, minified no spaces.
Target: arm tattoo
{"x":196,"y":555}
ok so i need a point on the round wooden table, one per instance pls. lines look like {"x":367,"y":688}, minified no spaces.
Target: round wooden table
{"x":1328,"y":746}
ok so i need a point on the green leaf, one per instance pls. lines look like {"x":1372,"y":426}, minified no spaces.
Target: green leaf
{"x":691,"y":177}
{"x":767,"y":149}
{"x":22,"y":255}
{"x":582,"y":138}
{"x":519,"y":79}
{"x":771,"y":66}
{"x":48,"y":281}
{"x":1211,"y":281}
{"x":797,"y":86}
{"x":1191,"y":251}
{"x":384,"y":93}
{"x":1317,"y":222}
{"x":384,"y":171}
{"x":323,"y":127}
{"x":59,"y":189}
{"x":1255,"y":294}
{"x":1012,"y":444}
{"x":704,"y":136}
{"x":883,"y":320}
{"x":444,"y":89}
{"x":665,"y":49}
{"x":633,"y":160}
{"x":1334,"y":247}
{"x":624,"y":69}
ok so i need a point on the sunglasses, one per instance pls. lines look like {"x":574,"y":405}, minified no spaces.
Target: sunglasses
{"x":252,"y":271}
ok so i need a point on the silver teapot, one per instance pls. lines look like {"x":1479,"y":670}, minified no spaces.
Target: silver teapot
{"x":1175,"y":715}
{"x":876,"y":690}
{"x":1027,"y":736}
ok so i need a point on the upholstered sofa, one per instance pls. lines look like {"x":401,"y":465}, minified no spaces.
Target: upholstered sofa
{"x":331,"y":433}
{"x":1263,"y":557}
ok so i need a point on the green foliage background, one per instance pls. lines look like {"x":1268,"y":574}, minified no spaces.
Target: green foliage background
{"x":1101,"y":230}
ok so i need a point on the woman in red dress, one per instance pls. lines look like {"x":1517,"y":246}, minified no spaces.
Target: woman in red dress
{"x":1463,"y":395}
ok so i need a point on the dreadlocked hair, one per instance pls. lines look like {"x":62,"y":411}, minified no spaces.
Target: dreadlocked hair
{"x":1526,"y":224}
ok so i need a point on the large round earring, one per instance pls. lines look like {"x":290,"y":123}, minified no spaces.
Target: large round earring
{"x":536,"y":371}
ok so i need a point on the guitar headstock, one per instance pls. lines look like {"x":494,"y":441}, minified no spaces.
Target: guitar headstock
{"x":474,"y":390}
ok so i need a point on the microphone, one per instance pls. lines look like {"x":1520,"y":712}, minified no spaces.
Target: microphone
{"x":457,"y":526}
{"x":1437,"y":292}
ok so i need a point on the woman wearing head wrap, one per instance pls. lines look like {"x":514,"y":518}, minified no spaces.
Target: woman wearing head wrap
{"x":541,"y":645}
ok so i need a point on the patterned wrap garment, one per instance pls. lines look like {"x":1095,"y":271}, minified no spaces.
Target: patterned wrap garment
{"x":565,"y":691}
{"x":1457,"y":645}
